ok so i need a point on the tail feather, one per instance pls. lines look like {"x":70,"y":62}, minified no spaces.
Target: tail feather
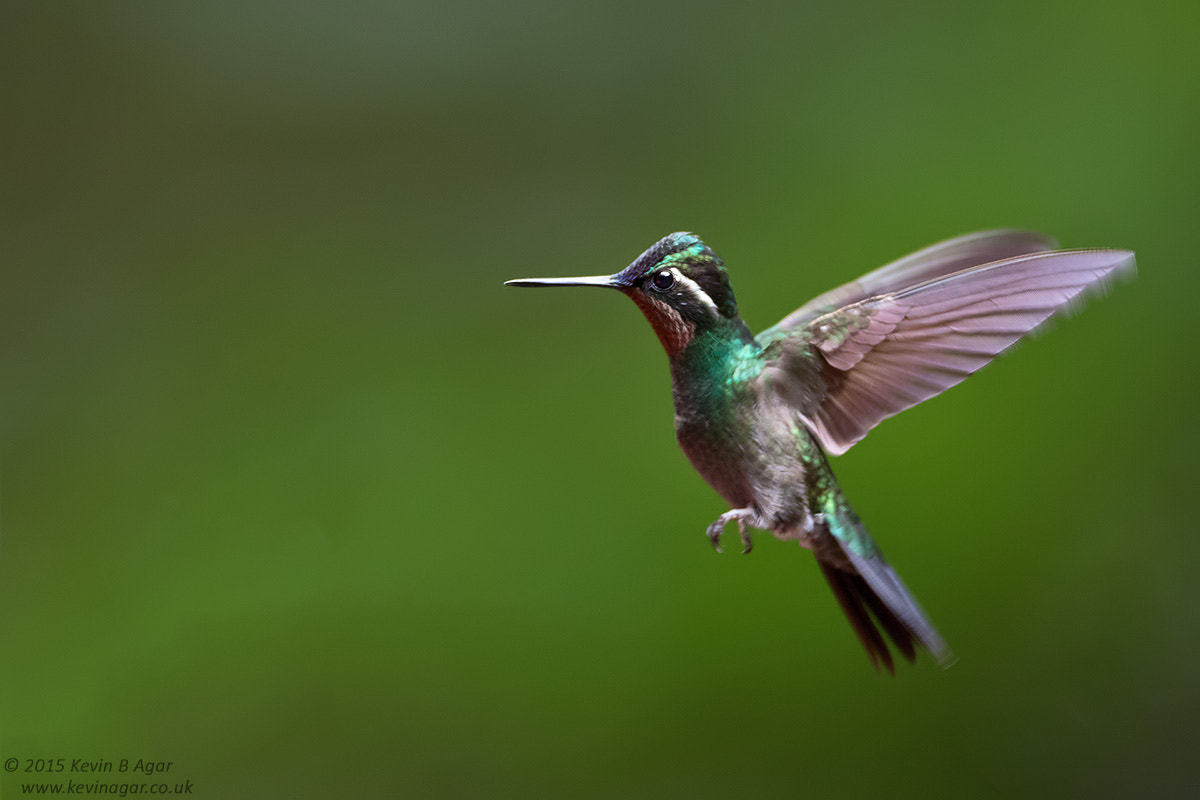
{"x":894,"y":605}
{"x":900,"y":635}
{"x":855,"y":598}
{"x":868,"y":589}
{"x":871,"y":594}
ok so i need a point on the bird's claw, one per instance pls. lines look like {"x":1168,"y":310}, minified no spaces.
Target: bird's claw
{"x":714,"y":534}
{"x":718,"y":527}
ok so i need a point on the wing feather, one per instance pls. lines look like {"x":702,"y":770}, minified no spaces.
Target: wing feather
{"x":933,"y":261}
{"x":881,"y":354}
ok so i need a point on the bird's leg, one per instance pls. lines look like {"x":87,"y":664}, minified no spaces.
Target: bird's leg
{"x":718,"y":527}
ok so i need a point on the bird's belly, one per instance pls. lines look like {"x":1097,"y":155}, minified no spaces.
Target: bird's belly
{"x":759,"y":467}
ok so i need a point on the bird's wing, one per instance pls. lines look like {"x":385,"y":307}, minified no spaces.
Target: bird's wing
{"x":850,"y":367}
{"x":932,"y":262}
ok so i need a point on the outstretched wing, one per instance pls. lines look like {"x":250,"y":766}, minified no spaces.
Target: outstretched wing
{"x":850,"y":367}
{"x":932,"y":262}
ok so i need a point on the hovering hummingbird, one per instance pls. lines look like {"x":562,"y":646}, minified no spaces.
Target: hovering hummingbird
{"x":756,"y":415}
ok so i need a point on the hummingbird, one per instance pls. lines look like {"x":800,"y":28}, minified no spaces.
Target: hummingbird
{"x":758,"y":416}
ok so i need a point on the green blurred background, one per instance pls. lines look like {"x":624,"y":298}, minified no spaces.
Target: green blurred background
{"x":295,"y":495}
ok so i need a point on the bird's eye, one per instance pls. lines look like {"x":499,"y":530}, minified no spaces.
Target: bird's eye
{"x":663,"y":281}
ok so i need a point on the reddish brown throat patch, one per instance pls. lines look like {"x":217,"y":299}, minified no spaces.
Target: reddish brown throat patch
{"x":673,"y":330}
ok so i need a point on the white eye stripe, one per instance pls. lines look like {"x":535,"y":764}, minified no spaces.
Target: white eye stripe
{"x":694,"y":289}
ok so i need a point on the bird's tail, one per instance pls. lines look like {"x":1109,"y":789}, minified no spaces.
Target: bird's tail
{"x":870,"y":592}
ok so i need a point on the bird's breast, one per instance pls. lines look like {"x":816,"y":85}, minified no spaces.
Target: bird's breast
{"x":717,"y":456}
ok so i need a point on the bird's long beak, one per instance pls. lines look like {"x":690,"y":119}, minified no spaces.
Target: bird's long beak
{"x":607,"y":281}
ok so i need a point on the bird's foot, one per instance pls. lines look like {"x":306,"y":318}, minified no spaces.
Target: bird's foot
{"x":714,"y":533}
{"x":718,"y":527}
